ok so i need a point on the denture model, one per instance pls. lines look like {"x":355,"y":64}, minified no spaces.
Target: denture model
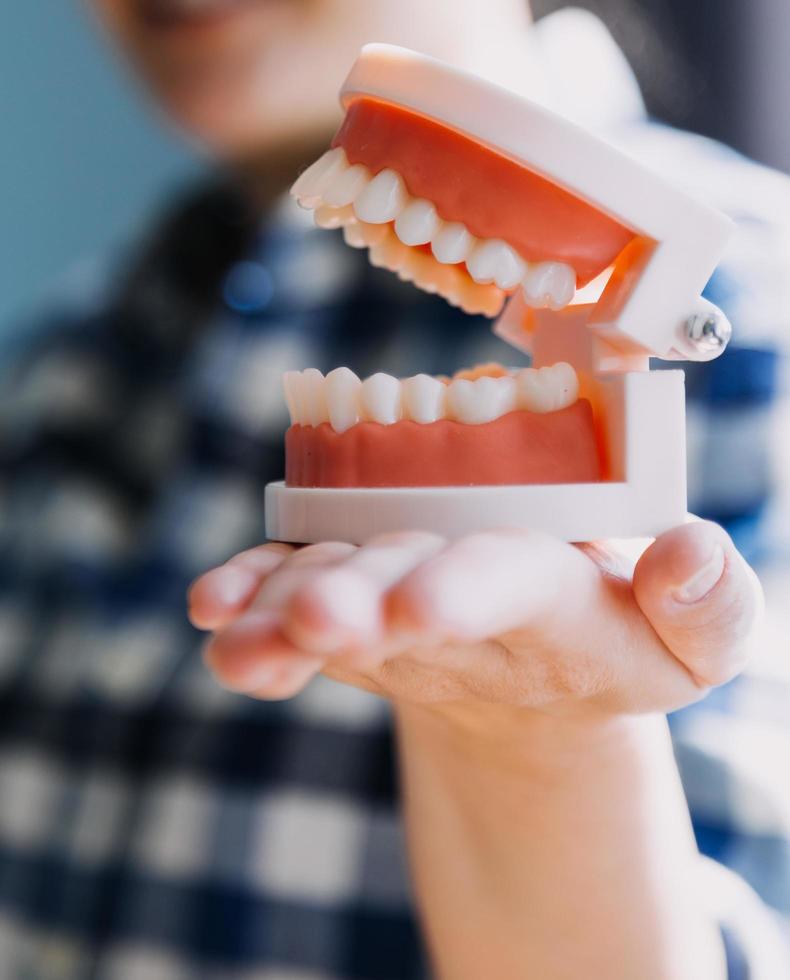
{"x":592,"y":265}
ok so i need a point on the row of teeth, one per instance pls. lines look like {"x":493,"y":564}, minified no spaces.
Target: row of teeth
{"x":342,"y":194}
{"x":342,"y":399}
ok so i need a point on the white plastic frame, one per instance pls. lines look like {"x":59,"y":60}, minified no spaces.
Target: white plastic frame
{"x":643,"y":311}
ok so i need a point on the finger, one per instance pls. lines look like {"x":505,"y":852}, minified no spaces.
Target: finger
{"x":300,"y":568}
{"x":248,"y":650}
{"x":343,"y":607}
{"x":221,"y":594}
{"x":489,"y":583}
{"x":252,"y":656}
{"x":702,"y":599}
{"x":573,"y":629}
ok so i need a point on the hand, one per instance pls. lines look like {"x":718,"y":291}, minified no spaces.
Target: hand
{"x":510,"y":618}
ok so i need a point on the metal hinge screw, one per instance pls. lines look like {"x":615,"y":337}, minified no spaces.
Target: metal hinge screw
{"x":709,"y":332}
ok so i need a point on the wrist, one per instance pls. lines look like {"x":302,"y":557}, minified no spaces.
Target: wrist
{"x":528,"y":741}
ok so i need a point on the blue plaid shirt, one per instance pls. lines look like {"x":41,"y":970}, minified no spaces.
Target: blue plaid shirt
{"x":156,"y":827}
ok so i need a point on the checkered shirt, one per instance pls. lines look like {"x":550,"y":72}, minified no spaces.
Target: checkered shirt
{"x":156,"y":827}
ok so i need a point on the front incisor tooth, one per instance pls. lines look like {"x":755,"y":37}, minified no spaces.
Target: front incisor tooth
{"x":452,"y":243}
{"x":495,"y":261}
{"x":291,"y":398}
{"x":417,"y":223}
{"x":551,"y":284}
{"x":547,"y":389}
{"x":314,"y":395}
{"x":310,"y":185}
{"x":297,"y":397}
{"x":346,"y":187}
{"x":380,"y":399}
{"x":383,"y":199}
{"x":342,"y":388}
{"x":480,"y":401}
{"x":423,"y":398}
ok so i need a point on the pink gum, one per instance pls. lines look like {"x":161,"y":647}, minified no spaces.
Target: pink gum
{"x":520,"y":448}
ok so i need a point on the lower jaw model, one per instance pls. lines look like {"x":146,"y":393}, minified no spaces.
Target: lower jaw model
{"x":472,"y":193}
{"x":484,"y":426}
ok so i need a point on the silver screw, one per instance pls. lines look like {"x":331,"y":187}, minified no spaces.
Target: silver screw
{"x":709,"y":332}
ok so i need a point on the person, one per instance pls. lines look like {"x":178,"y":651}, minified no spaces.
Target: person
{"x":154,"y":824}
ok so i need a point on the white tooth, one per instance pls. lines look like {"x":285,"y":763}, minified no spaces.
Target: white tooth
{"x":473,"y":298}
{"x":483,"y":400}
{"x":346,"y":187}
{"x":291,"y":400}
{"x":383,"y":199}
{"x":354,"y":236}
{"x":493,"y":260}
{"x":309,"y":187}
{"x":452,"y":243}
{"x":551,"y":284}
{"x":330,"y":217}
{"x":342,"y":398}
{"x":390,"y":253}
{"x":417,"y":223}
{"x":497,"y":262}
{"x":547,"y":389}
{"x":423,"y":398}
{"x":380,"y":399}
{"x":297,"y":389}
{"x":373,"y":234}
{"x":314,"y":396}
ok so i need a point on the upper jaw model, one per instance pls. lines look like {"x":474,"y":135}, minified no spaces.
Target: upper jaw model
{"x":591,"y":264}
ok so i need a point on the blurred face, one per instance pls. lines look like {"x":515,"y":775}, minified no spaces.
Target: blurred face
{"x":247,"y":76}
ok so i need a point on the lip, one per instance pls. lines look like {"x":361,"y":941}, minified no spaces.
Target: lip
{"x":172,"y":15}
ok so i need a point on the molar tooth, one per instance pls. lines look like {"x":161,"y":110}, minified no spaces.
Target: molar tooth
{"x":423,"y":398}
{"x":452,"y":243}
{"x":342,"y":388}
{"x":314,"y":396}
{"x":480,"y":401}
{"x":551,"y":284}
{"x":493,"y":260}
{"x":380,"y":399}
{"x":346,"y":187}
{"x":326,"y":216}
{"x":383,"y":199}
{"x":547,"y":389}
{"x":310,"y":185}
{"x":417,"y":223}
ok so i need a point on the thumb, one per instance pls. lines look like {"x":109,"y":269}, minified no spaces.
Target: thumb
{"x":702,"y":599}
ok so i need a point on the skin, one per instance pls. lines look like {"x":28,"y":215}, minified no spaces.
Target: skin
{"x":529,"y":678}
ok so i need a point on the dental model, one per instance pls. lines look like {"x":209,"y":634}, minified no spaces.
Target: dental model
{"x":592,"y":265}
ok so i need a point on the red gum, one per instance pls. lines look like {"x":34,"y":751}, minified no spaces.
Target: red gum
{"x":518,"y":448}
{"x":491,"y":194}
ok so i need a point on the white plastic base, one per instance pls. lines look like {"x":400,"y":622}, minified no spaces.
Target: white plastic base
{"x":588,"y":511}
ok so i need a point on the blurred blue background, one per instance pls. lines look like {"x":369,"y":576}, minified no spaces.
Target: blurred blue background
{"x":83,"y":161}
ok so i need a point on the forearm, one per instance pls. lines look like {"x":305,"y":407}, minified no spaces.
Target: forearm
{"x":553,"y":849}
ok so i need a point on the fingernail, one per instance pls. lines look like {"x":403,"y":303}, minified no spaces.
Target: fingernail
{"x":703,"y":580}
{"x":233,"y":584}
